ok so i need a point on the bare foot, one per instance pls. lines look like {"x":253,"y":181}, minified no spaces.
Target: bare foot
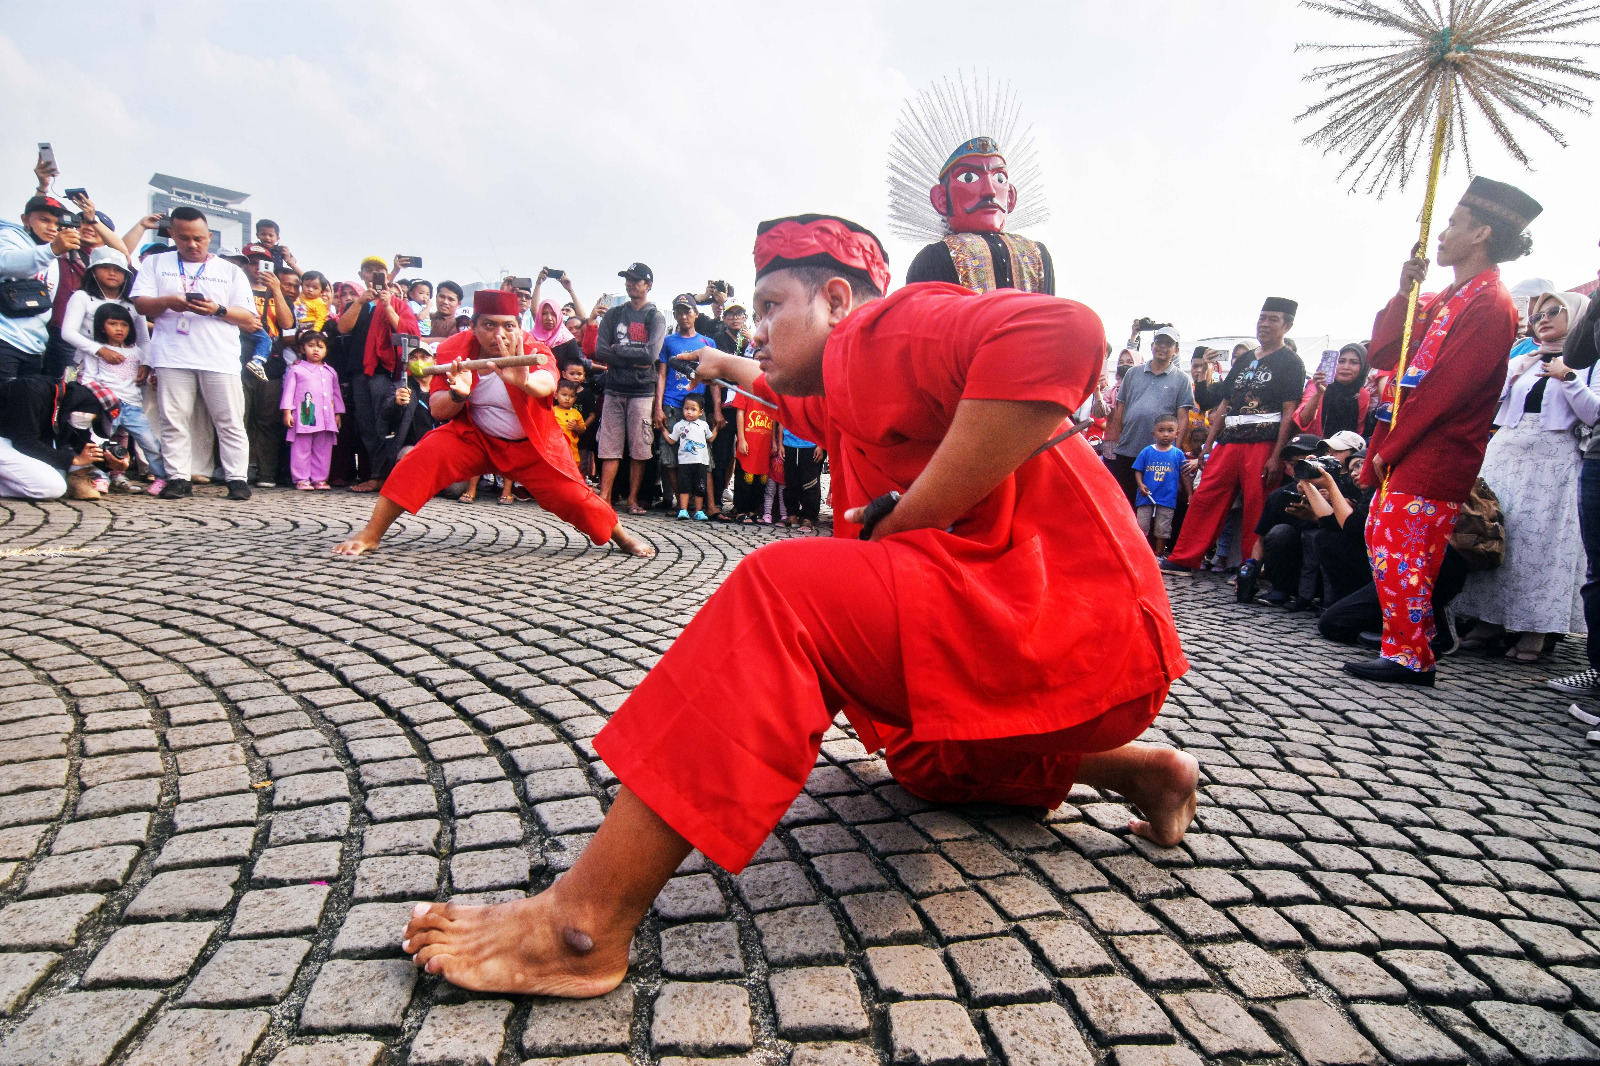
{"x":1164,"y":792}
{"x":356,"y":545}
{"x":631,"y":544}
{"x":523,"y":947}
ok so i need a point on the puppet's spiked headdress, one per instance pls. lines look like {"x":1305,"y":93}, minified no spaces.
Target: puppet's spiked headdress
{"x":951,"y":117}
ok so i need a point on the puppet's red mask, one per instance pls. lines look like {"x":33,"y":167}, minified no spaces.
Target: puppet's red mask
{"x":976,"y":194}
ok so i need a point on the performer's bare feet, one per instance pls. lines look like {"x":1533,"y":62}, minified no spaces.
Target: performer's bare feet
{"x":630,"y":543}
{"x":1160,"y":781}
{"x":527,"y":946}
{"x":570,"y":940}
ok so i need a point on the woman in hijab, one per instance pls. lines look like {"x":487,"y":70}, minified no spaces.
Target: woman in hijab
{"x":550,"y":330}
{"x":1330,"y":407}
{"x":1532,"y":467}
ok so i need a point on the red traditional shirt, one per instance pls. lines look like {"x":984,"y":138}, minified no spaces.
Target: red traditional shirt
{"x":1041,"y":607}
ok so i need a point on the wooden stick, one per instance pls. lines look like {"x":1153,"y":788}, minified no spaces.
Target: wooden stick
{"x":536,"y":359}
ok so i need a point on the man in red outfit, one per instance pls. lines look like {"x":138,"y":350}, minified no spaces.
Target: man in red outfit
{"x":1248,"y":431}
{"x":1426,"y":459}
{"x":1001,"y":633}
{"x":497,"y":422}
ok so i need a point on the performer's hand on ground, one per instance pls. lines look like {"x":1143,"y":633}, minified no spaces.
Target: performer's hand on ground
{"x":630,"y":543}
{"x":356,"y":545}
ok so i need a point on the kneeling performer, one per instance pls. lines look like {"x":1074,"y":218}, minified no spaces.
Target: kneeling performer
{"x":1003,"y":633}
{"x":498,"y":422}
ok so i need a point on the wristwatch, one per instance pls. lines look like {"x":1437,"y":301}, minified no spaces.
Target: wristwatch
{"x":220,"y":312}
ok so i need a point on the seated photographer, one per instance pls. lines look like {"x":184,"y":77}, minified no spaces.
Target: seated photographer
{"x":1340,"y":537}
{"x":1285,"y":552}
{"x":1357,"y":617}
{"x":45,"y":444}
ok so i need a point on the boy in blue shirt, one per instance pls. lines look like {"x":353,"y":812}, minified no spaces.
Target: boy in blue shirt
{"x":1157,"y":469}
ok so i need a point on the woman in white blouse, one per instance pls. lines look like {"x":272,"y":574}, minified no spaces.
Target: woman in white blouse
{"x":1532,"y":466}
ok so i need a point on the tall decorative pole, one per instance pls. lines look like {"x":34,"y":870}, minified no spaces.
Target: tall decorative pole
{"x":1495,"y":53}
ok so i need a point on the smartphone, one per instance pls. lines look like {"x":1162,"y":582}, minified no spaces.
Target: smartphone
{"x":380,"y":279}
{"x":73,"y":194}
{"x":1330,"y":362}
{"x":264,"y":265}
{"x":522,"y":283}
{"x":164,"y":231}
{"x":47,"y":155}
{"x":69,"y":220}
{"x":411,"y":260}
{"x":553,"y":274}
{"x":194,"y":297}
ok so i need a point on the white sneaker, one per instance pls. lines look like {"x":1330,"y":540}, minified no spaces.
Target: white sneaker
{"x":1585,"y":717}
{"x":1593,"y":736}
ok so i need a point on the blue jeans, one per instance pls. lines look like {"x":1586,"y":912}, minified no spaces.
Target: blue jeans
{"x":134,"y":421}
{"x":1589,"y":528}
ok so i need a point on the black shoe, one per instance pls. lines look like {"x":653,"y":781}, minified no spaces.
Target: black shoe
{"x":1387,"y":670}
{"x":1275,"y":598}
{"x":1244,"y":589}
{"x":1370,"y":640}
{"x":1170,"y":567}
{"x":1297,"y":604}
{"x":177,"y":488}
{"x":238,"y":490}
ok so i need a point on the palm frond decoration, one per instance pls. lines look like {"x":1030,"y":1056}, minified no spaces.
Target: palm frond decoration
{"x":1509,"y":59}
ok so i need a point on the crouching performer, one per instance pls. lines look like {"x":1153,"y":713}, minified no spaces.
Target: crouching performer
{"x":494,"y":422}
{"x":1002,"y":633}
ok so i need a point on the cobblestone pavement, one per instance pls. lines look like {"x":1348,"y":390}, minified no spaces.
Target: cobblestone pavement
{"x":230,"y":762}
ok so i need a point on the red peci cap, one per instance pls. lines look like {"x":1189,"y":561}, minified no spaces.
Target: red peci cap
{"x":494,"y":302}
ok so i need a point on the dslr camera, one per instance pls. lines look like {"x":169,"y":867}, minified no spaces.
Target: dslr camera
{"x":1146,"y":324}
{"x":1312,"y":467}
{"x":115,"y":450}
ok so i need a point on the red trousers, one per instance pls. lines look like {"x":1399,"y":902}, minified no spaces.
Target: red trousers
{"x":1232,"y":468}
{"x":458,"y":450}
{"x":1406,"y":538}
{"x":813,"y":630}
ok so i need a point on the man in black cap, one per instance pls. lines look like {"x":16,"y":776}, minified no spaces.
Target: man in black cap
{"x":628,"y":344}
{"x":1246,"y":439}
{"x":29,"y":277}
{"x":1430,"y":439}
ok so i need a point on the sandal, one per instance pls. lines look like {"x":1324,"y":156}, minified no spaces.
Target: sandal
{"x":302,"y":486}
{"x":321,"y":486}
{"x":634,"y":508}
{"x":508,"y":499}
{"x":1521,"y":653}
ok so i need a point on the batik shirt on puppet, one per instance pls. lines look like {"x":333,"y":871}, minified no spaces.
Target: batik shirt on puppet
{"x":984,"y":262}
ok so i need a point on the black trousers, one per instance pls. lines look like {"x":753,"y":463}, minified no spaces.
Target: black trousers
{"x":749,"y":492}
{"x":1289,"y":560}
{"x":368,"y":394}
{"x":1344,"y":564}
{"x":802,"y":483}
{"x":263,"y":423}
{"x":16,"y":363}
{"x":1358,"y":612}
{"x":1121,"y":467}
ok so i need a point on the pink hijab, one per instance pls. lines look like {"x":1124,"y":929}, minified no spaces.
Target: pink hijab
{"x":554,"y":337}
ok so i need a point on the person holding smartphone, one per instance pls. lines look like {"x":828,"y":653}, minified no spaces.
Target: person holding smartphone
{"x":30,"y":275}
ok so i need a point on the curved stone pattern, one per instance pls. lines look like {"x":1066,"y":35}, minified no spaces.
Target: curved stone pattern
{"x":229,"y":764}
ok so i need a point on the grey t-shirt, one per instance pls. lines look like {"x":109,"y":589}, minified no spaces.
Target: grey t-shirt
{"x":1144,"y":397}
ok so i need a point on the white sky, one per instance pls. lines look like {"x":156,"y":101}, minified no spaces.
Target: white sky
{"x":493,"y":136}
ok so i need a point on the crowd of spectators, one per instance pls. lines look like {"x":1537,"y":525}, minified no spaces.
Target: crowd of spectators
{"x":244,"y":368}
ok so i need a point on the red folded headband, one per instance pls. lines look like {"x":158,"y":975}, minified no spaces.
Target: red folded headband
{"x":821,"y":240}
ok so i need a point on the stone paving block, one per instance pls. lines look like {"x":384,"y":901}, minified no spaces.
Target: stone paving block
{"x":386,"y":986}
{"x":305,"y":790}
{"x":1252,"y":972}
{"x":1319,"y":1033}
{"x":1116,"y":1009}
{"x":397,"y":877}
{"x":20,"y":973}
{"x":1585,"y":983}
{"x":557,"y":1027}
{"x":310,"y":824}
{"x":1217,"y":887}
{"x":1037,"y":1034}
{"x":268,"y":912}
{"x":101,"y":870}
{"x":910,"y":972}
{"x":1550,"y":943}
{"x":690,"y":897}
{"x":227,"y":759}
{"x":1115,"y":914}
{"x":214,"y":813}
{"x":701,"y":951}
{"x":487,"y":831}
{"x":298,"y":862}
{"x":997,"y":970}
{"x":796,"y":936}
{"x":372,"y":930}
{"x":1520,"y":981}
{"x":155,"y":954}
{"x":1405,"y":1037}
{"x":482,"y":871}
{"x":462,"y":1034}
{"x":217,"y":782}
{"x":1354,"y":976}
{"x":1537,"y":1034}
{"x":22,"y":777}
{"x":849,"y":871}
{"x":420,"y":837}
{"x":75,"y":1028}
{"x":245,"y":973}
{"x":961,"y":916}
{"x":1219,"y":1025}
{"x":1159,"y":961}
{"x":1434,"y":976}
{"x":701,"y":1019}
{"x":201,"y":1038}
{"x":581,"y":815}
{"x":1067,"y":947}
{"x":185,"y":894}
{"x":208,"y":847}
{"x":933,"y":1033}
{"x":1069,"y":873}
{"x":401,"y":802}
{"x":830,"y":1054}
{"x":817,"y":1003}
{"x":44,"y":805}
{"x":116,"y":797}
{"x":134,"y":828}
{"x":1467,"y":934}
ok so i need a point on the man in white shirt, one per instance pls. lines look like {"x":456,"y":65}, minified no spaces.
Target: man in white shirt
{"x":199,"y":303}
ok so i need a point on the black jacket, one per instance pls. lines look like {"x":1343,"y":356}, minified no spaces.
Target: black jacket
{"x":33,"y":417}
{"x":631,"y":360}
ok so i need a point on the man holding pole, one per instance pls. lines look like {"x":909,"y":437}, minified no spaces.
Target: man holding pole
{"x":495,"y":421}
{"x":1433,"y":430}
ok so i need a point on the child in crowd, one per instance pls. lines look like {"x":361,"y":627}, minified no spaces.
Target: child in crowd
{"x":118,"y":365}
{"x":1158,"y":468}
{"x":312,"y":412}
{"x":693,"y":438}
{"x":419,"y":294}
{"x":267,"y":235}
{"x":586,"y":401}
{"x":568,"y":417}
{"x":753,"y":424}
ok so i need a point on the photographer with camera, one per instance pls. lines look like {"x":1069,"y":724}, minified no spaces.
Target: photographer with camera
{"x":199,"y":302}
{"x":1157,"y":389}
{"x":370,"y":326}
{"x":30,"y":275}
{"x":1285,"y":551}
{"x":46,"y":449}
